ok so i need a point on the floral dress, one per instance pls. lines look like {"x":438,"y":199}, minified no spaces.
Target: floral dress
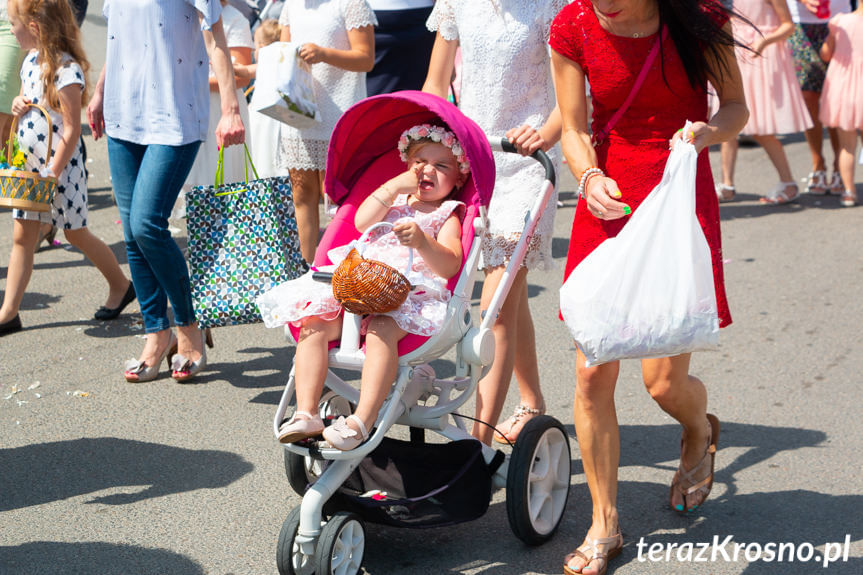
{"x":422,"y":313}
{"x":506,"y":82}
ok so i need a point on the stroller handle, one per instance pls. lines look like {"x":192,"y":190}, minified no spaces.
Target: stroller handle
{"x":504,"y":145}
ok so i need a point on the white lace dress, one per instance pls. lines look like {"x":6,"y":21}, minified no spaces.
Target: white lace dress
{"x":325,"y":23}
{"x":422,"y":312}
{"x":506,"y":82}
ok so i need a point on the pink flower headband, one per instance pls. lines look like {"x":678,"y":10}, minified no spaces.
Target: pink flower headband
{"x":437,"y":135}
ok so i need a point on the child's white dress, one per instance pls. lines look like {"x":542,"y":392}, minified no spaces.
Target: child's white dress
{"x":423,"y":311}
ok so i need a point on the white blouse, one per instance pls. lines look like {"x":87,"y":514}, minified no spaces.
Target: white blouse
{"x":156,"y":69}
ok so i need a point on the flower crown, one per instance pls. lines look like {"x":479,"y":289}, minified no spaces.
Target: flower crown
{"x":437,"y":135}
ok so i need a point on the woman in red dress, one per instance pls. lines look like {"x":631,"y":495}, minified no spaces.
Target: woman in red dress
{"x":607,"y":42}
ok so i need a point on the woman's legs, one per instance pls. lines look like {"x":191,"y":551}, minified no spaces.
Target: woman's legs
{"x":25,"y":234}
{"x":146,"y":182}
{"x":307,"y":186}
{"x":312,"y":360}
{"x":103,"y":258}
{"x":683,"y":397}
{"x":513,"y":331}
{"x":598,"y":437}
{"x":728,"y":155}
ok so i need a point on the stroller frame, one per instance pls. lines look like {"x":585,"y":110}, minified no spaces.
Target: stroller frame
{"x":418,"y":399}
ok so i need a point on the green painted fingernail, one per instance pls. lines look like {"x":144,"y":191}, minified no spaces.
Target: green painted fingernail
{"x":627,"y":210}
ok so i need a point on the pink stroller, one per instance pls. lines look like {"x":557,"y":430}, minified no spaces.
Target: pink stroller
{"x":415,"y":484}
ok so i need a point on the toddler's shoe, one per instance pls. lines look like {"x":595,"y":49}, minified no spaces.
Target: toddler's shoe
{"x":298,"y":429}
{"x":341,"y":436}
{"x":836,"y":187}
{"x":816,"y":183}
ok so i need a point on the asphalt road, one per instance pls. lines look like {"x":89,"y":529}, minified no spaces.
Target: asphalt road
{"x":101,"y":477}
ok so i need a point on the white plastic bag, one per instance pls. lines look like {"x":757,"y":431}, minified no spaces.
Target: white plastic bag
{"x":648,"y":292}
{"x":284,"y":88}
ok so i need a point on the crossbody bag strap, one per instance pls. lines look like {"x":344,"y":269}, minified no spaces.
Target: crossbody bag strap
{"x":599,"y":137}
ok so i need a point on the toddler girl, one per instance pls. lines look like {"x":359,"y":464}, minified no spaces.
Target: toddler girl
{"x":53,"y":76}
{"x":417,"y":203}
{"x":841,"y":102}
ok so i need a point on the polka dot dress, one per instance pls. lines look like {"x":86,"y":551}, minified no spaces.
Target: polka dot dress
{"x":70,"y":203}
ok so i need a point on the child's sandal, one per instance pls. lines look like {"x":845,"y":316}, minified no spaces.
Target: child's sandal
{"x":344,"y":438}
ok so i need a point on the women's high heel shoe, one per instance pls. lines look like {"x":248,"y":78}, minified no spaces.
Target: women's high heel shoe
{"x":138,"y":371}
{"x":184,"y":369}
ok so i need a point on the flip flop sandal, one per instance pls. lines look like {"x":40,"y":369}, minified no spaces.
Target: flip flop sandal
{"x":688,"y":482}
{"x":600,"y":549}
{"x":520,"y":411}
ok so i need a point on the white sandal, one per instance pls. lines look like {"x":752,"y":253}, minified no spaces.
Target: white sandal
{"x":848,"y":199}
{"x":298,"y":429}
{"x":343,"y":437}
{"x":816,"y":183}
{"x":777,"y":196}
{"x":725,"y":193}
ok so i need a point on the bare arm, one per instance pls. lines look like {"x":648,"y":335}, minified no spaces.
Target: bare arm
{"x":441,"y":66}
{"x":359,"y":58}
{"x":443,"y":255}
{"x":733,"y":113}
{"x":230,"y":130}
{"x":241,"y":60}
{"x":782,"y":32}
{"x":94,"y":108}
{"x":829,"y":46}
{"x":374,"y":208}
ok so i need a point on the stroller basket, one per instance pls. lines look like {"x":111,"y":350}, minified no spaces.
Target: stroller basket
{"x":408,"y":484}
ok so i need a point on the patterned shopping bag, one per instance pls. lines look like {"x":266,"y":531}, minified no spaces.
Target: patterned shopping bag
{"x":242,"y":241}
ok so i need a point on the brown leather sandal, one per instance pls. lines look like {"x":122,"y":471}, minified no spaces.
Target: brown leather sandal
{"x":700,"y":477}
{"x":601,"y":549}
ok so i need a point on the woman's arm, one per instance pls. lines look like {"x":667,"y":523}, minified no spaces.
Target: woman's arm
{"x":70,"y":109}
{"x":733,"y":113}
{"x":360,"y":57}
{"x":441,"y":66}
{"x":782,"y":32}
{"x":443,"y":255}
{"x":230,"y":130}
{"x":94,"y":108}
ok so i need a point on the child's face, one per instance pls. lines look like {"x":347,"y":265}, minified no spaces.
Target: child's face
{"x":25,"y":33}
{"x":437,"y":172}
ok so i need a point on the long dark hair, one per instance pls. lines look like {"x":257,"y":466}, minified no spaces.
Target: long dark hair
{"x":695,"y":27}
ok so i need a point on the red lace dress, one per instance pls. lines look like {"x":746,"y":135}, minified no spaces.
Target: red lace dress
{"x":635,"y":152}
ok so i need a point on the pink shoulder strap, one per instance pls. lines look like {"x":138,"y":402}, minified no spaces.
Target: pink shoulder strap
{"x":599,"y":137}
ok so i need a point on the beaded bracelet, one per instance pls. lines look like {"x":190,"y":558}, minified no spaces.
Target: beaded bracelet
{"x":585,"y":175}
{"x":383,"y":203}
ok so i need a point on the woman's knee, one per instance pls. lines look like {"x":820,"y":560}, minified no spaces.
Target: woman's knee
{"x":663,"y":379}
{"x":596,"y":384}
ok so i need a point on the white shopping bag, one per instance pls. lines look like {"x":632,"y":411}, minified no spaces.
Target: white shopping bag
{"x":284,"y":88}
{"x":648,"y":292}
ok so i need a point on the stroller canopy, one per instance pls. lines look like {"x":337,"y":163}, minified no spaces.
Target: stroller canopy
{"x":368,"y":131}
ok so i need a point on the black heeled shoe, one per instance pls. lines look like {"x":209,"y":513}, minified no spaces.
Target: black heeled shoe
{"x":11,"y":326}
{"x":111,"y":313}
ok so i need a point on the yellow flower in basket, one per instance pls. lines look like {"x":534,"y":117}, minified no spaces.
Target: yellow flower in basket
{"x":19,"y":159}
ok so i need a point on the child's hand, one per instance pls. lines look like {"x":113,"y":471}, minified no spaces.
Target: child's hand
{"x":311,"y":53}
{"x":410,"y":234}
{"x":20,"y":105}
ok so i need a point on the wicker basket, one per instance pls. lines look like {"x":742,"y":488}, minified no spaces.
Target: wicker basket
{"x":366,"y":286}
{"x":27,"y":190}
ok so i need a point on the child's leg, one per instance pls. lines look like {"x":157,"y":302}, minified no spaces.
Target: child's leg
{"x":815,"y":134}
{"x":776,"y":153}
{"x":379,"y":369}
{"x":103,"y":258}
{"x":311,"y":360}
{"x":728,"y":155}
{"x":847,"y":157}
{"x":24,"y":237}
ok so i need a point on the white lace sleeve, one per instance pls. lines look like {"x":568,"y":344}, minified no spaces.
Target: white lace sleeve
{"x":358,"y":14}
{"x":442,"y":19}
{"x":551,"y":10}
{"x":285,"y":15}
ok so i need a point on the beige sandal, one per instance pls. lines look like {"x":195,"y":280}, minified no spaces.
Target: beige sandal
{"x":521,"y":412}
{"x":341,"y":436}
{"x":600,"y":549}
{"x":700,"y":477}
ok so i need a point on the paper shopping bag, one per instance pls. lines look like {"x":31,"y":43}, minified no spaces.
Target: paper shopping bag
{"x":648,"y":292}
{"x":242,"y":241}
{"x":284,"y":87}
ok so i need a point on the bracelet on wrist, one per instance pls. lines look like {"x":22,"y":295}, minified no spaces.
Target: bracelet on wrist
{"x":585,"y":176}
{"x":382,"y":202}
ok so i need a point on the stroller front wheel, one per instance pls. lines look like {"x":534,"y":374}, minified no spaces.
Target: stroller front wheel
{"x":290,"y":558}
{"x":537,"y":480}
{"x":341,"y":545}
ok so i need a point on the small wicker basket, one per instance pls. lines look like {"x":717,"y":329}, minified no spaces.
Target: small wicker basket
{"x":365,"y":286}
{"x":27,"y":190}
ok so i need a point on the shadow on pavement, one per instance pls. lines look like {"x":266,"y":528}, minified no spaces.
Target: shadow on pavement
{"x":53,"y":557}
{"x":47,"y":472}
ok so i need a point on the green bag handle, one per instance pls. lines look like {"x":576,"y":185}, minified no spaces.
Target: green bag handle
{"x":220,"y":171}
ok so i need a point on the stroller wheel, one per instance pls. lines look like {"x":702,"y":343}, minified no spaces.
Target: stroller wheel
{"x":289,"y":557}
{"x":537,"y":481}
{"x":341,"y":545}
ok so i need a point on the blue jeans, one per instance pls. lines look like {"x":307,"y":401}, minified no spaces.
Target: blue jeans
{"x":147,"y":180}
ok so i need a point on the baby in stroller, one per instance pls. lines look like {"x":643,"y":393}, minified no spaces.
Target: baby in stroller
{"x":418,"y":203}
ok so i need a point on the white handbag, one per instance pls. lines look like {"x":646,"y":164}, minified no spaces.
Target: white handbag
{"x":648,"y":292}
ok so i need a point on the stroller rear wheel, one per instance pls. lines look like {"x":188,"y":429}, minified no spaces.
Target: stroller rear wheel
{"x":537,"y":480}
{"x":341,"y":545}
{"x":289,"y":557}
